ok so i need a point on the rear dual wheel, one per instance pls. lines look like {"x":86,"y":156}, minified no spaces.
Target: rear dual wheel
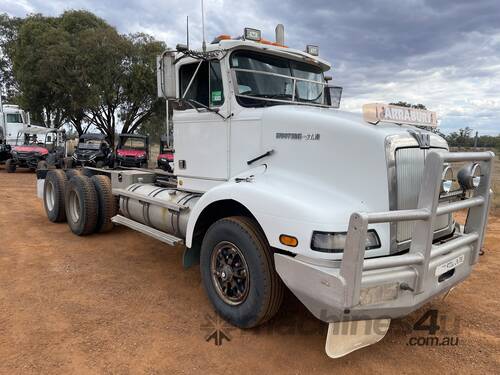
{"x":90,"y":204}
{"x":53,"y":195}
{"x":81,"y":205}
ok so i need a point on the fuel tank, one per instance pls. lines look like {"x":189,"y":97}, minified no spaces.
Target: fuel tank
{"x":164,"y":219}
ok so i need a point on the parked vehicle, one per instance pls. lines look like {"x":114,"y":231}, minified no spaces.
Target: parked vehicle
{"x":4,"y":148}
{"x":132,"y":151}
{"x":12,"y":121}
{"x":93,"y":151}
{"x":359,"y":227}
{"x":32,"y":153}
{"x":165,"y":159}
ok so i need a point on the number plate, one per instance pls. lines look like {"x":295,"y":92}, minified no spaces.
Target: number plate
{"x":445,"y":267}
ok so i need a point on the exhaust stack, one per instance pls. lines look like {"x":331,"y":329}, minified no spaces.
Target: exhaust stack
{"x":280,"y":34}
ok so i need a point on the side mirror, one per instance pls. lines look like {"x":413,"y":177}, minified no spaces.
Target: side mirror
{"x":333,"y":96}
{"x":165,"y":75}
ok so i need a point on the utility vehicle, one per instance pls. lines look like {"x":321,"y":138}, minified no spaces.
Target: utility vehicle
{"x":165,"y":159}
{"x":132,"y":151}
{"x":359,"y":227}
{"x":93,"y":151}
{"x":38,"y":147}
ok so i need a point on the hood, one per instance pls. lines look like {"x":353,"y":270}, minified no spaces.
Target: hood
{"x":41,"y":150}
{"x":134,"y":153}
{"x":169,"y":156}
{"x":87,"y":152}
{"x":334,"y":151}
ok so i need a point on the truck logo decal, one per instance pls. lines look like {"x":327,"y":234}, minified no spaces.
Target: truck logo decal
{"x":299,"y":136}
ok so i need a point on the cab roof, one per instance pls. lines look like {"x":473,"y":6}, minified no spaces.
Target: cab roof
{"x":291,"y":53}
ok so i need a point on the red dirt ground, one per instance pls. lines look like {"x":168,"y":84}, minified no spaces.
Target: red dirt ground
{"x":122,"y":303}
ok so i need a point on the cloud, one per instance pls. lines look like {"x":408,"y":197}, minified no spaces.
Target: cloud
{"x":444,"y":54}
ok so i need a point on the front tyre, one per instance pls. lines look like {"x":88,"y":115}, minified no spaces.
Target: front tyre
{"x":42,"y":165}
{"x":10,"y":165}
{"x":238,"y":273}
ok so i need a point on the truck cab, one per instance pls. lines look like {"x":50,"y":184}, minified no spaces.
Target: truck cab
{"x":275,"y":186}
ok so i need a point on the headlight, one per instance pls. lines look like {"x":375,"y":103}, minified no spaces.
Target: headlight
{"x":92,"y":157}
{"x":75,"y":157}
{"x":14,"y":153}
{"x":469,"y":177}
{"x":328,"y":242}
{"x":447,"y":182}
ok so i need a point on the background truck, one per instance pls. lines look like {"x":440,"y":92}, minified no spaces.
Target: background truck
{"x":13,"y":120}
{"x":359,"y":228}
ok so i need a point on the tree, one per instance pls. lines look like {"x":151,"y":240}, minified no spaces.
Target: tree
{"x":72,"y":85}
{"x":9,"y":27}
{"x":36,"y":55}
{"x":461,"y":138}
{"x":408,"y":105}
{"x":139,"y":99}
{"x":78,"y":69}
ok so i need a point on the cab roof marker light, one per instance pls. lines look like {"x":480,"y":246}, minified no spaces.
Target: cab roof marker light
{"x":312,"y":50}
{"x":252,"y":34}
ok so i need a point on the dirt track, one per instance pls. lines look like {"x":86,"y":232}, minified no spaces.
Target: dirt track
{"x":122,"y":303}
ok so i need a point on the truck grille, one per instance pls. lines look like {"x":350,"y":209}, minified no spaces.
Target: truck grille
{"x":409,"y":173}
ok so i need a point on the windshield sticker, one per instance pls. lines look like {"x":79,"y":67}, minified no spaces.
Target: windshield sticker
{"x":216,"y":96}
{"x":299,"y":136}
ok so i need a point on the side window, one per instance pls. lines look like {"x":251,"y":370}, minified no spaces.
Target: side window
{"x":215,"y":86}
{"x":206,"y":88}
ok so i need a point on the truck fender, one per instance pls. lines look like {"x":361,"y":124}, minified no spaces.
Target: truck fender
{"x":280,"y":204}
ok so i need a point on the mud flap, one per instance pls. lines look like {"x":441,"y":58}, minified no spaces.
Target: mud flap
{"x":191,"y":256}
{"x":346,"y":337}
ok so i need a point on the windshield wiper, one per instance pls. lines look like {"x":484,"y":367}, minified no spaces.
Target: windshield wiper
{"x":193,"y":103}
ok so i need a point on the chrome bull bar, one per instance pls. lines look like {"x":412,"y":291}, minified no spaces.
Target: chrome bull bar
{"x":422,"y":249}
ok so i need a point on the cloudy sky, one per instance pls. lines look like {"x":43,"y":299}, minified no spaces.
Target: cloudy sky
{"x":442,"y":53}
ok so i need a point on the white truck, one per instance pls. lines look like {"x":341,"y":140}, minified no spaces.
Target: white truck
{"x":274,"y":187}
{"x":13,"y":122}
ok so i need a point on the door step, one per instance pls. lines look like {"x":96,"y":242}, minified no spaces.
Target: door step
{"x":151,"y":232}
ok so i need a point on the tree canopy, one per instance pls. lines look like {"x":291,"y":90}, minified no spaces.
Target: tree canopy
{"x":77,"y":69}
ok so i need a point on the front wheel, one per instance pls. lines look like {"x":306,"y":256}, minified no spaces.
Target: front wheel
{"x":10,"y":165}
{"x":238,"y":274}
{"x":42,"y":164}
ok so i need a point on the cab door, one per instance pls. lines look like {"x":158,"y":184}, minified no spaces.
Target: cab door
{"x":201,"y":126}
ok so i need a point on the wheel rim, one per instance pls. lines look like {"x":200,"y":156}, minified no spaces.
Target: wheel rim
{"x":74,"y":207}
{"x":50,"y":196}
{"x":230,"y":274}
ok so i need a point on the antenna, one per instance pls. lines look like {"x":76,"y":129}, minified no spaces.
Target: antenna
{"x":187,"y":32}
{"x":204,"y":44}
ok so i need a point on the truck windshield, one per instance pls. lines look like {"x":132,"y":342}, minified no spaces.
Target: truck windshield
{"x":14,"y":118}
{"x":265,"y":78}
